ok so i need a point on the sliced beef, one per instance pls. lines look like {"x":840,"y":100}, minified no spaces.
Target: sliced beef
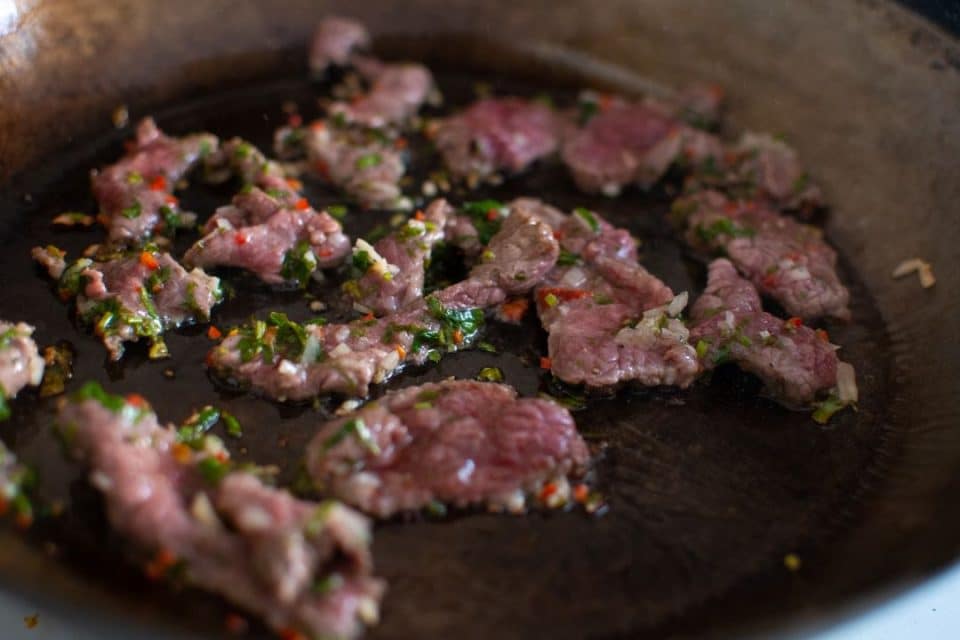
{"x":136,"y":194}
{"x":20,"y":362}
{"x":455,"y":442}
{"x":275,"y":239}
{"x":629,"y":143}
{"x":797,"y":364}
{"x":497,"y":134}
{"x":784,"y":259}
{"x":758,"y":167}
{"x":299,"y":565}
{"x":131,"y":295}
{"x":334,"y":41}
{"x":392,"y":270}
{"x":286,"y":361}
{"x":397,"y":91}
{"x":609,"y":320}
{"x":367,"y":167}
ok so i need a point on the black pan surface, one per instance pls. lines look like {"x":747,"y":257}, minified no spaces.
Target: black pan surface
{"x":708,"y":490}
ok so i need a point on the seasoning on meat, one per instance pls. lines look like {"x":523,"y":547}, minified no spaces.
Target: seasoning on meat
{"x":609,"y":320}
{"x":397,"y":91}
{"x":632,"y":142}
{"x":391,"y":272}
{"x":335,"y":39}
{"x":299,"y":565}
{"x":20,"y":363}
{"x":759,"y":166}
{"x":136,"y":194}
{"x":784,"y":259}
{"x":497,"y":134}
{"x":16,"y":482}
{"x":455,"y":442}
{"x":797,"y":364}
{"x":129,"y":295}
{"x":285,"y":360}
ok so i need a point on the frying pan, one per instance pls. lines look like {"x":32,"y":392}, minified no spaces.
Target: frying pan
{"x":708,"y":490}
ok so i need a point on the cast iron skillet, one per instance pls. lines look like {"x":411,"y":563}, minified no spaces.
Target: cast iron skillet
{"x":708,"y":489}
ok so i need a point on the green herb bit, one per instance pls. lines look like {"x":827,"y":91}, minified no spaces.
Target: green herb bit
{"x":134,"y":177}
{"x":291,"y":338}
{"x":825,"y":409}
{"x":243,"y":151}
{"x":213,"y":470}
{"x":801,"y":183}
{"x":93,"y":391}
{"x":338,"y":211}
{"x":588,"y":109}
{"x":702,"y":347}
{"x":328,"y":584}
{"x":602,"y":299}
{"x":358,"y":429}
{"x":722,"y":355}
{"x":157,"y":279}
{"x":133,"y":211}
{"x":5,"y":411}
{"x":723,"y":226}
{"x":436,"y":509}
{"x":299,"y":264}
{"x":587,"y":216}
{"x":362,"y":261}
{"x":368,"y":160}
{"x":486,"y":224}
{"x":318,"y":519}
{"x":486,"y":346}
{"x":232,"y":425}
{"x":551,"y":300}
{"x":568,"y":258}
{"x":194,"y":428}
{"x":490,"y":374}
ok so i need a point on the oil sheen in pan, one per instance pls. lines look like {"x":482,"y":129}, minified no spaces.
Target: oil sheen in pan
{"x":708,"y":489}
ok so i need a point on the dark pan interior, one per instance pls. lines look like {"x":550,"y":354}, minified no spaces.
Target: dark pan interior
{"x":708,"y":489}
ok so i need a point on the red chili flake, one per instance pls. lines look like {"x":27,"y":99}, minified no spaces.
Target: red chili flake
{"x":401,"y":351}
{"x":514,"y":310}
{"x":605,"y":101}
{"x":171,"y":199}
{"x":325,"y":253}
{"x":213,"y":333}
{"x":23,"y":521}
{"x":794,"y":323}
{"x":558,"y":234}
{"x":457,"y":336}
{"x":158,"y":184}
{"x":580,"y":493}
{"x":236,"y":624}
{"x":181,"y":453}
{"x":291,"y":634}
{"x":769,"y":280}
{"x":400,"y":143}
{"x":419,"y":215}
{"x":823,"y":335}
{"x":318,"y":125}
{"x":301,"y":204}
{"x":493,"y":214}
{"x":295,"y":120}
{"x":562,"y":294}
{"x":546,"y":363}
{"x":367,"y":317}
{"x":239,"y":238}
{"x":322,"y":169}
{"x":148,"y":260}
{"x":221,"y":456}
{"x":548,"y":490}
{"x":161,"y":563}
{"x":137,"y":400}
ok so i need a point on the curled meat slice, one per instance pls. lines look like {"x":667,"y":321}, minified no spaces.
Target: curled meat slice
{"x":796,"y":363}
{"x":456,"y":442}
{"x":347,"y":358}
{"x":335,"y":39}
{"x":136,"y":193}
{"x":20,"y":362}
{"x":397,"y":91}
{"x":497,"y":134}
{"x":297,"y":564}
{"x":786,"y":260}
{"x":129,"y":295}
